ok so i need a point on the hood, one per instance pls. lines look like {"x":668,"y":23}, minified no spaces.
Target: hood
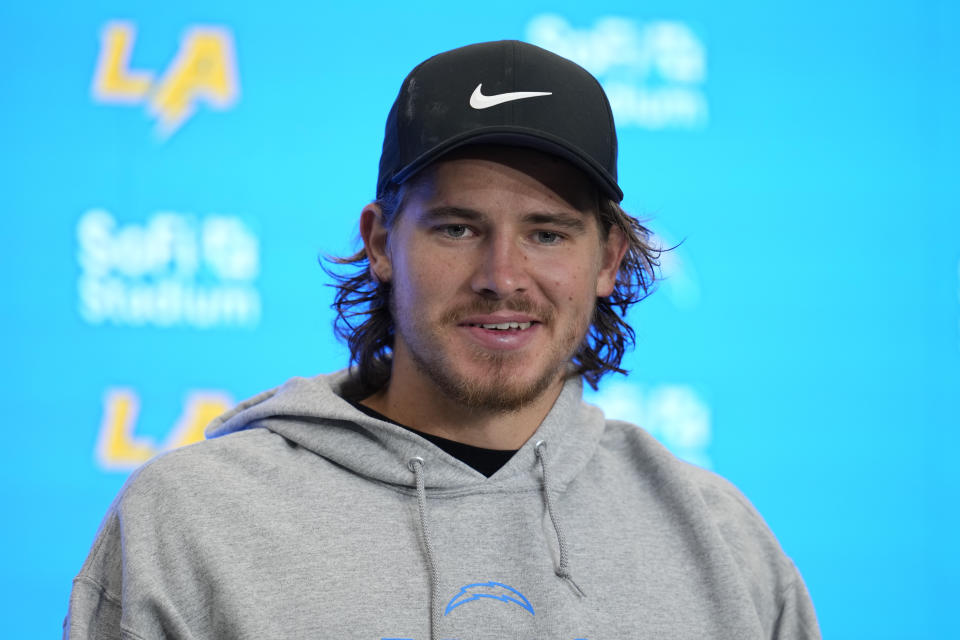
{"x":313,"y":413}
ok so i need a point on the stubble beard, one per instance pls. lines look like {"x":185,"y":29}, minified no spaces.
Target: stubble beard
{"x":495,"y":389}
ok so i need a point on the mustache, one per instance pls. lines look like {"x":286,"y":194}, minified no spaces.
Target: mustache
{"x":520,"y":304}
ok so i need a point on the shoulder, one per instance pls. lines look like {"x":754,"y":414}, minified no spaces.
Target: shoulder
{"x":729,"y":510}
{"x":716,"y":505}
{"x":173,"y":489}
{"x":206,"y":477}
{"x":637,"y":448}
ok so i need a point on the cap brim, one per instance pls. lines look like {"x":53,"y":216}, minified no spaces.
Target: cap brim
{"x":516,"y":137}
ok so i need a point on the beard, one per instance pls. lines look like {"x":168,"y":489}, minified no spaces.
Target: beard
{"x":500,"y":386}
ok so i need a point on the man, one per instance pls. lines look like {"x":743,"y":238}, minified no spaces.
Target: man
{"x":451,"y":483}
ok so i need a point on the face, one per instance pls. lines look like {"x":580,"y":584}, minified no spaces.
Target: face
{"x":496,"y":260}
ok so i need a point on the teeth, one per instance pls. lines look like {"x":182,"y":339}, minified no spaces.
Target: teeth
{"x":503,"y":326}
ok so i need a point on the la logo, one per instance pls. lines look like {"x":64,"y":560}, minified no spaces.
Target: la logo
{"x":118,"y":448}
{"x":203,"y":69}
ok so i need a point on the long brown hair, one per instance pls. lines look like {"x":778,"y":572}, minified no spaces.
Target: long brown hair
{"x":365,"y":323}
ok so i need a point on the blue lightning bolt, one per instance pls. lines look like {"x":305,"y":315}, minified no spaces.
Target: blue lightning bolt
{"x":516,"y":597}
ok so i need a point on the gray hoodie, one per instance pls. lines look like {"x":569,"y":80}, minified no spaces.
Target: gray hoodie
{"x":302,"y":517}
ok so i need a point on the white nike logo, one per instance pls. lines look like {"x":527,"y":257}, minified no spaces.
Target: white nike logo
{"x":480,"y":101}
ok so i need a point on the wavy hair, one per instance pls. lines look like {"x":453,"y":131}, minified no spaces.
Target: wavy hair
{"x":365,"y":323}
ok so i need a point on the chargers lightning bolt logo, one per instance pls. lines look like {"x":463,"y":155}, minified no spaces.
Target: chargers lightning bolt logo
{"x":492,"y":590}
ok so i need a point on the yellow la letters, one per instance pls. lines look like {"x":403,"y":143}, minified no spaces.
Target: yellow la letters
{"x":203,"y":69}
{"x":118,"y":449}
{"x":113,"y":81}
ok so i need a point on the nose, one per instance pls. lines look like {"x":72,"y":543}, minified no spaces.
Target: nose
{"x":501,"y":269}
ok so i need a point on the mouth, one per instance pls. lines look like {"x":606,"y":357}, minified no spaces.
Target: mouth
{"x":502,"y":332}
{"x":501,"y":326}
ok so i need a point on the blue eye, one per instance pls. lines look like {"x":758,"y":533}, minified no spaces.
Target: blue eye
{"x":455,"y":230}
{"x":548,"y":237}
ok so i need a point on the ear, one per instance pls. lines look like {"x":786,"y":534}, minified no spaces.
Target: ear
{"x":374,"y":235}
{"x":611,"y":255}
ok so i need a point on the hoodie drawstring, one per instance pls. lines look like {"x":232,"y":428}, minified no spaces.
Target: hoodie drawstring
{"x":416,"y":465}
{"x":563,"y":570}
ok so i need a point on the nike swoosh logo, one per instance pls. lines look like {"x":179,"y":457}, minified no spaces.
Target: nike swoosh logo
{"x":480,"y":101}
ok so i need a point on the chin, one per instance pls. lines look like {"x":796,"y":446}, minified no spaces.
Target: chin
{"x":495,"y":386}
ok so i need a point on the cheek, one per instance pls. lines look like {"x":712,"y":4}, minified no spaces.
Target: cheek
{"x":567,"y":283}
{"x":424,"y":275}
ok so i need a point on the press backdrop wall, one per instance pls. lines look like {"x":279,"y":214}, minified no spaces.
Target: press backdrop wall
{"x":170,"y":173}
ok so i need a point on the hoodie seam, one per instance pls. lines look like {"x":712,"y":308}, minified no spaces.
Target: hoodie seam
{"x":127,"y":633}
{"x":782,"y":597}
{"x":102,"y":589}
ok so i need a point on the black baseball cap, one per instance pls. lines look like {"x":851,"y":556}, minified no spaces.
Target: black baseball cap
{"x":505,"y":92}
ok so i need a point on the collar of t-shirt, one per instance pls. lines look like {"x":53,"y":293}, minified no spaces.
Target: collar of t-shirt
{"x":486,"y":461}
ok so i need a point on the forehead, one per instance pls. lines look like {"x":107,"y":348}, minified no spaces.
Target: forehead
{"x":509,"y":177}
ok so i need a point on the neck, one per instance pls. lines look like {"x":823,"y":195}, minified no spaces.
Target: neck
{"x":410,"y":400}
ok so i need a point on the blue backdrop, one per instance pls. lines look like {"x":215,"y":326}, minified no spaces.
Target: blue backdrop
{"x":169,"y":174}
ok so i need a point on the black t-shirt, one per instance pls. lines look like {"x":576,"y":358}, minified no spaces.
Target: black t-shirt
{"x":486,"y":461}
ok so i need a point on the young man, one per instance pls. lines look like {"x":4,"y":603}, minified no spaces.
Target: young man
{"x":451,"y":483}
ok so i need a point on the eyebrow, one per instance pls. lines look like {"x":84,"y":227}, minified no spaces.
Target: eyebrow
{"x":558,"y":219}
{"x":564,"y":220}
{"x":445,"y":213}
